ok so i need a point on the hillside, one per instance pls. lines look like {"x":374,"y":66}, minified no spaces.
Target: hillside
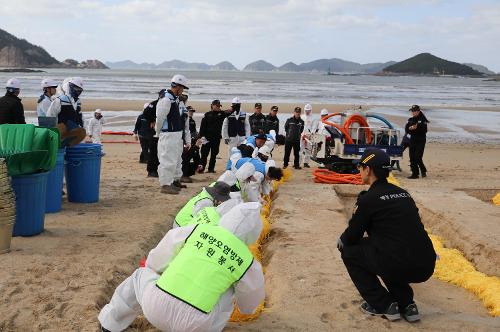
{"x":259,"y":65}
{"x":428,"y":64}
{"x":480,"y":68}
{"x":17,"y":53}
{"x":224,"y":65}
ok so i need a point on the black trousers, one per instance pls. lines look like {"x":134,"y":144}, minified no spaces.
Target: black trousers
{"x":145,"y":143}
{"x":212,"y":148}
{"x":416,"y":157}
{"x":288,"y":149}
{"x":153,"y":161}
{"x":364,"y":265}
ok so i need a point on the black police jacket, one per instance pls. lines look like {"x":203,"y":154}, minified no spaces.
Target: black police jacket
{"x":418,"y":134}
{"x":272,"y":123}
{"x":211,"y":125}
{"x":11,"y":110}
{"x":390,"y":217}
{"x":143,"y":127}
{"x":257,"y":123}
{"x":293,"y":129}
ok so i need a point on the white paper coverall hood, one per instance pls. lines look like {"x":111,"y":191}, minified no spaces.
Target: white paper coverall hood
{"x":63,"y":89}
{"x":94,"y":128}
{"x":139,"y":292}
{"x":170,"y":144}
{"x":310,"y":127}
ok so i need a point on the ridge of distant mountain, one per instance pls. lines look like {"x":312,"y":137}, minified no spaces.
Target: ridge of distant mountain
{"x":16,"y":53}
{"x":428,"y":64}
{"x":224,"y":65}
{"x":259,"y":65}
{"x":480,"y":68}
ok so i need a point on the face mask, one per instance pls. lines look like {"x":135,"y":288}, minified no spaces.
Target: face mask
{"x":75,"y":91}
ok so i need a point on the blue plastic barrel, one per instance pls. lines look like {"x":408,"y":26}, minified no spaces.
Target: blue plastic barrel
{"x":53,"y":200}
{"x":83,"y":173}
{"x":30,"y":203}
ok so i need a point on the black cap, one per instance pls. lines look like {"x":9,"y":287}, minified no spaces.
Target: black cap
{"x":216,"y":102}
{"x":219,"y":191}
{"x":375,"y":158}
{"x":258,"y":105}
{"x":261,"y":136}
{"x":414,"y":108}
{"x":274,"y":108}
{"x":298,"y":109}
{"x":190,"y":109}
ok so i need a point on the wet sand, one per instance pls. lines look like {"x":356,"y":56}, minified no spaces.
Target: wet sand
{"x":60,"y":279}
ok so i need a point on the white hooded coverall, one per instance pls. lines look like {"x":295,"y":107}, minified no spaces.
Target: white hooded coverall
{"x":170,"y":144}
{"x":43,"y":105}
{"x":94,"y":129}
{"x":310,"y":127}
{"x":167,"y":313}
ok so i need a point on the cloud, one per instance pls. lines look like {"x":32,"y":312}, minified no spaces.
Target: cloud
{"x":275,"y":30}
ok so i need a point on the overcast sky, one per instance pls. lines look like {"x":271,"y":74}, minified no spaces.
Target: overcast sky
{"x":244,"y":31}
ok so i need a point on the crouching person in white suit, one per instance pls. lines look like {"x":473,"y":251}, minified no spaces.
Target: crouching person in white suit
{"x":193,"y":276}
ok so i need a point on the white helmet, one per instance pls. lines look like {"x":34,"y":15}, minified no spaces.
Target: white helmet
{"x":308,"y":107}
{"x":98,"y":111}
{"x":78,"y":81}
{"x":236,"y":100}
{"x":265,"y":150}
{"x":13,"y":83}
{"x":323,"y":112}
{"x":48,"y":83}
{"x":180,"y":80}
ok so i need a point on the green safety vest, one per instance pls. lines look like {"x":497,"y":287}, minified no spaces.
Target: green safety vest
{"x":207,"y":215}
{"x":211,"y":260}
{"x":185,"y":215}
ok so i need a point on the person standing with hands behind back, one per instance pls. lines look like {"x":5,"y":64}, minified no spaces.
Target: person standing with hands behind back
{"x":294,"y":127}
{"x":417,"y":128}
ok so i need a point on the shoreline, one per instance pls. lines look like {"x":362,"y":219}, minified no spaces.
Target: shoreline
{"x":204,"y":106}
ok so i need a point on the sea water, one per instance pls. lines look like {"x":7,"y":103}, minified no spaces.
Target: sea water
{"x":276,"y":87}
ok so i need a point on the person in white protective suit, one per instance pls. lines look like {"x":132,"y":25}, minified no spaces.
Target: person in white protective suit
{"x":321,"y":126}
{"x":173,"y":297}
{"x":169,"y":128}
{"x":94,"y":128}
{"x":310,"y":126}
{"x":49,"y":87}
{"x":238,"y":180}
{"x":67,"y":106}
{"x":236,"y":127}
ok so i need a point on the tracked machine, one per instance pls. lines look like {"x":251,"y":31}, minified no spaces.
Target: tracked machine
{"x":343,"y":137}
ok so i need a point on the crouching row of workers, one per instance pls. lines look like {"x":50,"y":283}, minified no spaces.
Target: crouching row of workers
{"x":202,"y":266}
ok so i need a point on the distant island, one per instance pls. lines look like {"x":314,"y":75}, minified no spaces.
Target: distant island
{"x":19,"y":53}
{"x":428,"y":64}
{"x":21,"y":70}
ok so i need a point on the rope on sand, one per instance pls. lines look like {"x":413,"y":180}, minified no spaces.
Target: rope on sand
{"x":454,"y":268}
{"x":256,"y":248}
{"x":496,"y":199}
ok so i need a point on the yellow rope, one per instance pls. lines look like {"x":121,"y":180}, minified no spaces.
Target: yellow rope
{"x":454,"y":268}
{"x":496,"y":199}
{"x":256,"y":248}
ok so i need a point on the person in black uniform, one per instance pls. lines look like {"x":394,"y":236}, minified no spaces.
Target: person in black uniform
{"x":294,"y":127}
{"x":191,"y":156}
{"x":11,"y":108}
{"x":397,"y":249}
{"x":257,"y":120}
{"x":144,"y":133}
{"x":210,"y":129}
{"x":150,"y":115}
{"x":272,"y":122}
{"x":417,"y":128}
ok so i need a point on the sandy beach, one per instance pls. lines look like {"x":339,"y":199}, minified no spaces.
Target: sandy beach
{"x":61,"y":278}
{"x":89,"y":105}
